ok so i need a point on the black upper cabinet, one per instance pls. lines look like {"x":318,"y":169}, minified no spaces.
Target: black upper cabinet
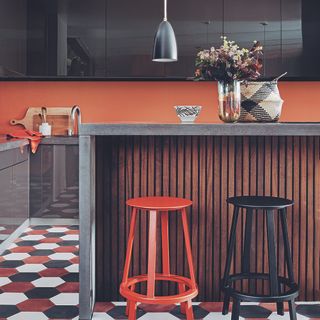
{"x":114,"y":38}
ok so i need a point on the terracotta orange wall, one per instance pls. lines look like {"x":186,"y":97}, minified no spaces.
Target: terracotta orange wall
{"x":141,"y":101}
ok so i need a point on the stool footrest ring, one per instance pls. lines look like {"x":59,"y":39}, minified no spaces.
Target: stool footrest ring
{"x":288,"y":295}
{"x":190,"y":293}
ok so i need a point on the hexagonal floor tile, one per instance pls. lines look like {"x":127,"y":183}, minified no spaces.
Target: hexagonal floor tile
{"x":53,"y":272}
{"x":28,"y":316}
{"x":66,"y":249}
{"x":33,"y":237}
{"x":46,"y":246}
{"x":16,"y":256}
{"x":4,"y":281}
{"x":42,"y":293}
{"x":26,"y":243}
{"x":54,"y":235}
{"x":9,"y":298}
{"x":158,"y":316}
{"x":62,"y":312}
{"x":71,"y":277}
{"x":7,"y":311}
{"x":41,"y":252}
{"x":198,"y":312}
{"x":11,"y":264}
{"x":19,"y":287}
{"x":309,"y":310}
{"x":68,"y":243}
{"x":62,"y":256}
{"x":73,"y":268}
{"x":38,"y":305}
{"x":254,"y":311}
{"x":24,"y":277}
{"x":57,"y":264}
{"x":36,"y":260}
{"x":47,"y":282}
{"x":70,"y":237}
{"x":69,"y":287}
{"x":58,"y":229}
{"x":119,"y":312}
{"x":66,"y":299}
{"x":31,"y":268}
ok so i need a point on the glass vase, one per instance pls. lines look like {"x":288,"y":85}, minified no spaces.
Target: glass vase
{"x":229,"y":96}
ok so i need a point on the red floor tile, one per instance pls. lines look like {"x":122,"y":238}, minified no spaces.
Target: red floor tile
{"x":53,"y":272}
{"x":156,"y":307}
{"x":69,"y":287}
{"x":22,"y":249}
{"x":17,"y":287}
{"x":35,"y":305}
{"x":66,"y":249}
{"x":7,"y":272}
{"x":103,"y":306}
{"x":36,"y":259}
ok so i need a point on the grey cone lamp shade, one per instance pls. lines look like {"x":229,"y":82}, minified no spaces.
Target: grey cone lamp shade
{"x":165,"y":44}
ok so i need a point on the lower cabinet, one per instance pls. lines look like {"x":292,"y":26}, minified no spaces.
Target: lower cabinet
{"x":54,"y":182}
{"x":14,"y":195}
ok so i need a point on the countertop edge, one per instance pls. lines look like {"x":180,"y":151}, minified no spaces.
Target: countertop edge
{"x":223,"y":129}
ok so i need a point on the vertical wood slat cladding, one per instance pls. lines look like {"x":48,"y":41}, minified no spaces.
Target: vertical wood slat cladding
{"x":207,"y":170}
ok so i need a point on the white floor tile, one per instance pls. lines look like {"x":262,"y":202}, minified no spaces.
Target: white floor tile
{"x":31,"y":268}
{"x":33,"y":237}
{"x":28,"y":316}
{"x":4,"y":281}
{"x":45,"y":246}
{"x":73,"y":268}
{"x":48,"y":282}
{"x":16,"y":256}
{"x":62,"y":256}
{"x":70,"y":237}
{"x":12,"y":298}
{"x":158,"y":316}
{"x":58,"y":229}
{"x":101,"y":316}
{"x":66,"y":299}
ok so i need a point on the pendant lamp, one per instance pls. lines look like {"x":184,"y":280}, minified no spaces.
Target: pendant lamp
{"x":165,"y":44}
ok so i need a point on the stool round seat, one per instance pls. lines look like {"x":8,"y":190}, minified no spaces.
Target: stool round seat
{"x":159,"y":203}
{"x":260,"y":202}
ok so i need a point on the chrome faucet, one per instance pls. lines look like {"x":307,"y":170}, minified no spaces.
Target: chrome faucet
{"x":74,"y":130}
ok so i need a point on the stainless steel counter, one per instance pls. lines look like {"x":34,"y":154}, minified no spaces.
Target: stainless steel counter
{"x":9,"y":144}
{"x":218,"y":129}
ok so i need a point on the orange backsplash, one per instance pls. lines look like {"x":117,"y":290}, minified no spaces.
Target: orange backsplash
{"x":142,"y":101}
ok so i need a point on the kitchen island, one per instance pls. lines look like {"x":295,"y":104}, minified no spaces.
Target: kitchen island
{"x":206,"y":163}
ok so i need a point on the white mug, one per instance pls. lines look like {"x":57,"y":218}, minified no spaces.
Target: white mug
{"x":45,"y":129}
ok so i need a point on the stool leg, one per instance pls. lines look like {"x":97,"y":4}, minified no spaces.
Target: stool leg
{"x":130,"y":245}
{"x":128,"y":301}
{"x":183,"y":305}
{"x":292,"y":310}
{"x":188,"y":246}
{"x":287,"y":251}
{"x":165,"y":243}
{"x":274,"y":284}
{"x":245,"y":263}
{"x":189,"y":310}
{"x":132,"y":310}
{"x":230,"y":249}
{"x":152,"y":251}
{"x":235,"y":310}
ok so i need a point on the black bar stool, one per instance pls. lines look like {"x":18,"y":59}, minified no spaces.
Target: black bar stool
{"x":268,"y":206}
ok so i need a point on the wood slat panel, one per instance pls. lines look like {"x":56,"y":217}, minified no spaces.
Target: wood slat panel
{"x":207,"y":170}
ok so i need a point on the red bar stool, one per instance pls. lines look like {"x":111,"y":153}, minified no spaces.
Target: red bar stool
{"x":159,"y":206}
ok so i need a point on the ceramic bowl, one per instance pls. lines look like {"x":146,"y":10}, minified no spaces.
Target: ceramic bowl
{"x":187,"y":114}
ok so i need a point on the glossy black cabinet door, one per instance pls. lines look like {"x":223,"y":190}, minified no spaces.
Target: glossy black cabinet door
{"x":114,"y":38}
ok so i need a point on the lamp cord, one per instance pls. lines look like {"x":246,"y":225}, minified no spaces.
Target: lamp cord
{"x":165,"y":11}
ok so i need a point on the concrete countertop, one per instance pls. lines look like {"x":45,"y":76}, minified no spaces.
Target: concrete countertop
{"x":8,"y":144}
{"x":198,"y":129}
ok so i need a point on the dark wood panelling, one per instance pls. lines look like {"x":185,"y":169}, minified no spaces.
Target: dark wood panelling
{"x":207,"y":170}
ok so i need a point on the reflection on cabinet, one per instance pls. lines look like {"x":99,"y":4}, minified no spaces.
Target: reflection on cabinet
{"x":114,"y":38}
{"x":14,"y":195}
{"x":54,"y":187}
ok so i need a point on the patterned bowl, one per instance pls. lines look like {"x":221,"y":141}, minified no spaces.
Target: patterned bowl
{"x":187,"y":114}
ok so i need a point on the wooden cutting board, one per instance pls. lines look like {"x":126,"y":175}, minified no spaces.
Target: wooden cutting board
{"x":57,"y":117}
